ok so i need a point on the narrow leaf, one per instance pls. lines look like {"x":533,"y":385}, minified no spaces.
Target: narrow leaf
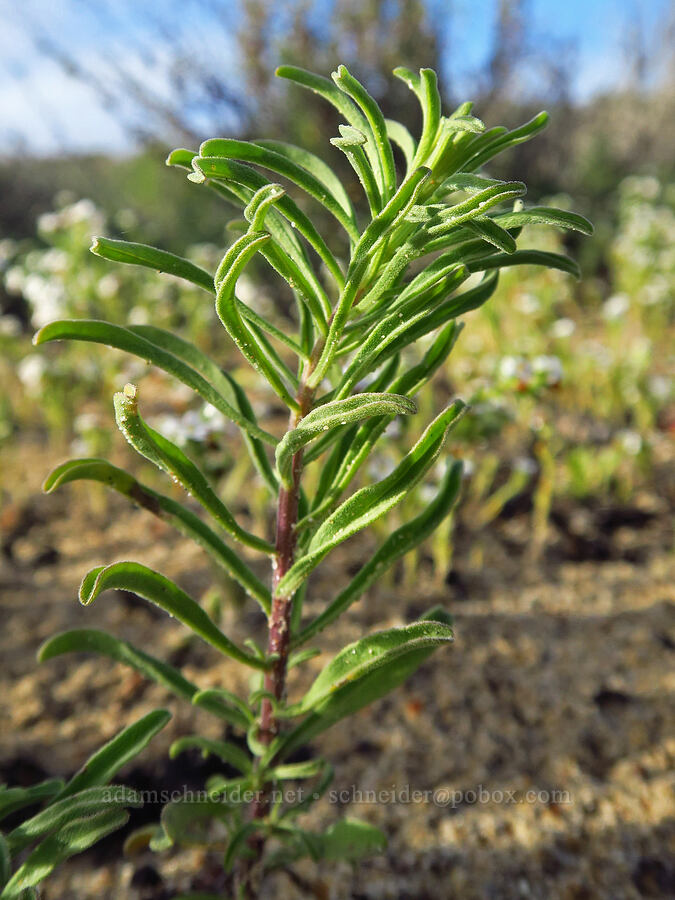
{"x":333,"y":415}
{"x":84,"y":803}
{"x":228,"y":752}
{"x":106,"y":762}
{"x":544,"y":215}
{"x":74,"y":838}
{"x":164,"y":508}
{"x":125,"y":339}
{"x":152,"y":258}
{"x":372,"y":501}
{"x":394,"y":547}
{"x":360,"y":674}
{"x":171,"y":459}
{"x":130,"y":576}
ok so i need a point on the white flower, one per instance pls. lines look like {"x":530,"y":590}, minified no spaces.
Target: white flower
{"x":30,"y":371}
{"x":10,"y":326}
{"x":48,"y":222}
{"x":631,"y":441}
{"x":615,"y":307}
{"x":563,"y":328}
{"x":15,"y":279}
{"x":515,"y":367}
{"x":108,"y":286}
{"x":45,"y":297}
{"x":85,"y":422}
{"x":138,"y":315}
{"x":550,"y":367}
{"x":527,"y":303}
{"x":54,"y":260}
{"x":7,"y":249}
{"x":660,"y":386}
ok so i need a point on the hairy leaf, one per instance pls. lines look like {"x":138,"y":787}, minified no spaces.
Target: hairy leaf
{"x":333,"y":415}
{"x":167,"y":509}
{"x":372,"y":501}
{"x":131,"y":576}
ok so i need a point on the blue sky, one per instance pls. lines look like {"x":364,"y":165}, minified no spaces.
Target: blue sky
{"x":45,"y":110}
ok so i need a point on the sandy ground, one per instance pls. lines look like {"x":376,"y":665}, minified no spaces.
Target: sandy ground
{"x":560,"y":683}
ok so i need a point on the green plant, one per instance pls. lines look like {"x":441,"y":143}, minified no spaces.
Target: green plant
{"x":425,"y":235}
{"x":74,"y":815}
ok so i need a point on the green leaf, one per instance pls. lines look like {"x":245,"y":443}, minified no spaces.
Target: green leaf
{"x":501,"y":142}
{"x":360,"y":674}
{"x":377,"y":130}
{"x":152,"y":258}
{"x":106,"y":762}
{"x":228,"y":311}
{"x":87,"y":640}
{"x":333,"y":415}
{"x":231,"y":171}
{"x":544,"y":215}
{"x":228,"y":752}
{"x":5,"y":862}
{"x":360,"y":659}
{"x":378,"y":230}
{"x":319,"y":169}
{"x":372,"y":501}
{"x":74,"y":838}
{"x":527,"y":258}
{"x":126,"y":339}
{"x":84,"y":803}
{"x":223,"y":382}
{"x":399,"y":135}
{"x":282,"y":164}
{"x":171,"y":459}
{"x":440,"y":219}
{"x":390,"y":335}
{"x":352,"y":840}
{"x":425,"y":88}
{"x":238,"y":845}
{"x":351,"y":142}
{"x":13,"y":799}
{"x":394,"y":547}
{"x":490,"y":231}
{"x":293,"y":771}
{"x":226,"y":704}
{"x":131,"y":576}
{"x":183,"y":519}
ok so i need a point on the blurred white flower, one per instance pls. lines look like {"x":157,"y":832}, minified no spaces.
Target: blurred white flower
{"x":30,"y":371}
{"x":7,"y":249}
{"x":10,"y":326}
{"x":615,"y":307}
{"x":48,"y":222}
{"x":108,"y":286}
{"x":138,"y":315}
{"x":515,"y":367}
{"x":631,"y":441}
{"x":45,"y":297}
{"x":527,"y":303}
{"x":660,"y":386}
{"x":54,"y":260}
{"x":85,"y":422}
{"x":468,"y":468}
{"x":15,"y":279}
{"x":549,"y":366}
{"x":563,"y":328}
{"x":246,"y":290}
